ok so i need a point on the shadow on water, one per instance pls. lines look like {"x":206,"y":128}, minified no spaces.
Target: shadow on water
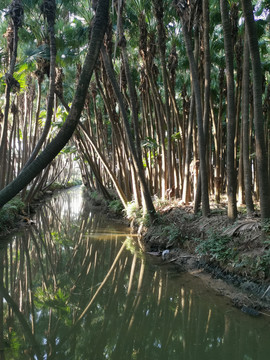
{"x":75,"y":286}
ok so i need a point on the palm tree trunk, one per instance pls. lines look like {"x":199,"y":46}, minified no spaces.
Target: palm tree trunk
{"x":231,"y":173}
{"x":16,"y":14}
{"x":50,"y":15}
{"x":186,"y":181}
{"x":65,"y":133}
{"x":158,"y":11}
{"x":199,"y":116}
{"x":245,"y":135}
{"x":261,"y":154}
{"x":137,"y":162}
{"x":106,"y":166}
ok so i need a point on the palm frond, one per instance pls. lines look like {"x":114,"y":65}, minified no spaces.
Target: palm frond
{"x":242,"y":226}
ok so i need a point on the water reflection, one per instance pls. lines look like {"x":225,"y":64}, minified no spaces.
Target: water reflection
{"x":74,"y":286}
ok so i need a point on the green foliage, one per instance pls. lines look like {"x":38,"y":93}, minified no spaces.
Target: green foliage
{"x":14,"y":342}
{"x":9,"y":213}
{"x":150,"y":143}
{"x":172,"y":233}
{"x":132,"y":211}
{"x":116,"y":207}
{"x":61,"y":116}
{"x":160,"y":203}
{"x":263,"y":263}
{"x":62,"y":239}
{"x":266,"y":226}
{"x":75,"y":182}
{"x":176,"y":136}
{"x":132,"y":246}
{"x":217,"y":247}
{"x":53,"y":299}
{"x":96,"y":198}
{"x":258,"y":266}
{"x":68,"y":149}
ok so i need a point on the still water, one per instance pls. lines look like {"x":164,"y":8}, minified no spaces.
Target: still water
{"x":76,"y":286}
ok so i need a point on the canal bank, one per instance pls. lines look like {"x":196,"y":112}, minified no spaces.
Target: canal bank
{"x":232,"y":258}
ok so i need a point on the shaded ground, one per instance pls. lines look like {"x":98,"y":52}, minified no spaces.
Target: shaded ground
{"x":232,"y":258}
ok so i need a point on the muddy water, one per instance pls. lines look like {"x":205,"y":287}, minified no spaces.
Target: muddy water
{"x":75,"y":286}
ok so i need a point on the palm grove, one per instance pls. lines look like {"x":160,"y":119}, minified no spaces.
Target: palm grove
{"x":152,"y":98}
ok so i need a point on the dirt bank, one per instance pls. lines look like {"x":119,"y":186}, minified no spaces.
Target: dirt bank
{"x":233,"y":258}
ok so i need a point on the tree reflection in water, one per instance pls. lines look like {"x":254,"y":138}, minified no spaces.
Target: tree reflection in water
{"x":74,"y":286}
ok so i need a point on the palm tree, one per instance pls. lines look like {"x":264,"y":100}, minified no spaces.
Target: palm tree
{"x":48,"y":9}
{"x":65,"y":133}
{"x":187,"y":12}
{"x":245,"y":135}
{"x":261,"y":154}
{"x":231,"y":172}
{"x":136,"y":160}
{"x":16,"y":14}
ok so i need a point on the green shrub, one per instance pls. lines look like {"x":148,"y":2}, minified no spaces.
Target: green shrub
{"x":133,"y":212}
{"x":9,"y":213}
{"x":217,"y":247}
{"x":172,"y":233}
{"x":116,"y":207}
{"x":96,"y":198}
{"x":255,"y":266}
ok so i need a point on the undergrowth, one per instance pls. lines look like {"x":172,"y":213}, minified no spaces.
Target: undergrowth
{"x":257,"y":266}
{"x":116,"y":207}
{"x":217,"y":247}
{"x":222,"y":250}
{"x":173,"y":234}
{"x":9,"y":213}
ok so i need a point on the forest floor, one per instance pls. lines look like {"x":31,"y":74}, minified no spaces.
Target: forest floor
{"x":232,"y":258}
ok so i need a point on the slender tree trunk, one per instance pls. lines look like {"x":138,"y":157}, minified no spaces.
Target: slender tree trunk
{"x":186,"y":181}
{"x":261,"y":154}
{"x":2,"y":343}
{"x":65,"y":133}
{"x":106,"y":166}
{"x":16,"y":14}
{"x":137,"y":162}
{"x":245,"y":135}
{"x":199,"y":116}
{"x":206,"y":99}
{"x":207,"y":67}
{"x":231,"y":172}
{"x":49,"y":9}
{"x":158,"y":10}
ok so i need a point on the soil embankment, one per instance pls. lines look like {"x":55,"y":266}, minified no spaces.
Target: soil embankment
{"x":232,"y":258}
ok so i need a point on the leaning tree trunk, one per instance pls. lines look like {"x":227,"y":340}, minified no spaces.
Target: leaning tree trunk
{"x":261,"y":154}
{"x":63,"y":136}
{"x":231,"y":173}
{"x":131,"y":87}
{"x":137,"y":162}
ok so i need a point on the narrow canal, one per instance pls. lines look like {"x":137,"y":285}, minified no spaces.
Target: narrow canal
{"x":75,"y":286}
